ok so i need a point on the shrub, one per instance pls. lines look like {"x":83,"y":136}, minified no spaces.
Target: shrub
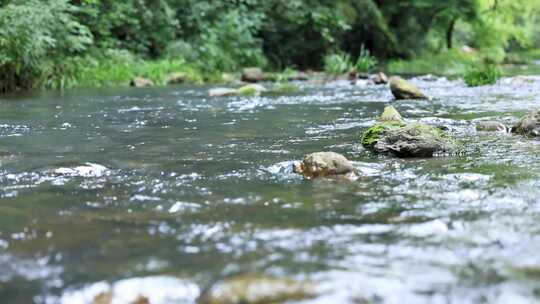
{"x":488,"y":74}
{"x":337,"y":64}
{"x":226,"y":45}
{"x":118,"y":67}
{"x":365,"y":61}
{"x":35,"y":39}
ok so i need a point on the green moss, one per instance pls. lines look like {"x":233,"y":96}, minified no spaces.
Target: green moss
{"x":247,"y":91}
{"x":372,"y":135}
{"x":250,"y":90}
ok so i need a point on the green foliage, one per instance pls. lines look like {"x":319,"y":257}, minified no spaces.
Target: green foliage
{"x":449,"y":63}
{"x":118,"y":67}
{"x":488,"y":74}
{"x":337,"y":64}
{"x":372,"y":135}
{"x":365,"y":61}
{"x":35,"y":38}
{"x":54,"y":43}
{"x":144,"y":27}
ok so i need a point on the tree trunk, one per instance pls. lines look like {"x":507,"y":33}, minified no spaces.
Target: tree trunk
{"x":450,"y":33}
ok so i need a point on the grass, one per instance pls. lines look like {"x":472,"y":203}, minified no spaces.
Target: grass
{"x":337,"y":64}
{"x":483,"y":75}
{"x":119,"y":68}
{"x":112,"y":68}
{"x":450,"y":63}
{"x":365,"y":61}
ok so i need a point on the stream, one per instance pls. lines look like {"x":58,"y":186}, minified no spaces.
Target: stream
{"x":170,"y":190}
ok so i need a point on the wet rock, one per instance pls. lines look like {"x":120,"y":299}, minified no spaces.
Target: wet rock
{"x":390,"y":114}
{"x":405,"y":139}
{"x":491,"y":126}
{"x":176,"y":78}
{"x":249,"y":289}
{"x":253,"y":75}
{"x":247,"y":90}
{"x":529,"y":125}
{"x":251,"y":90}
{"x":324,"y":164}
{"x":402,"y":89}
{"x":140,"y":82}
{"x":222,"y":92}
{"x":380,"y":78}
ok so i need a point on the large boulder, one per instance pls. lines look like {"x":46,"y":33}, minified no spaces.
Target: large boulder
{"x":248,"y":289}
{"x":325,"y":164}
{"x":406,"y":139}
{"x":528,"y":125}
{"x":140,"y":82}
{"x":253,"y":75}
{"x":402,"y":89}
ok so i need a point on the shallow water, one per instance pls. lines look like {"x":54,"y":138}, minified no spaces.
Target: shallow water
{"x":166,"y":187}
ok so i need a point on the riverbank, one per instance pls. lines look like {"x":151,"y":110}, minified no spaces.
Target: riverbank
{"x":117,"y":68}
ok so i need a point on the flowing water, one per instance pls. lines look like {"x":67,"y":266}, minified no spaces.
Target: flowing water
{"x":169,"y":190}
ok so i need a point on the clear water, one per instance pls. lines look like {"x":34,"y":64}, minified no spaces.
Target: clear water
{"x":108,"y":185}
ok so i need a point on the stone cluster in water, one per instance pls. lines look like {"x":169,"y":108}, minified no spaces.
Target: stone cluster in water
{"x":392,"y":135}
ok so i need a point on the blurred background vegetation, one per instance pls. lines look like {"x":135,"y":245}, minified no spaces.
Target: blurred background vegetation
{"x":86,"y":43}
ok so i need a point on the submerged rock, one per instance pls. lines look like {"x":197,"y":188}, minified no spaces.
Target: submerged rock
{"x":491,"y":126}
{"x":247,"y":90}
{"x":253,"y":75}
{"x":325,"y":164}
{"x":249,"y":289}
{"x":392,"y":135}
{"x":251,"y":90}
{"x":402,"y":89}
{"x":528,"y":125}
{"x":221,"y":92}
{"x":140,"y":82}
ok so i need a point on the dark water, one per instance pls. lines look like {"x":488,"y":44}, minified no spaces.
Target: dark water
{"x":169,"y":190}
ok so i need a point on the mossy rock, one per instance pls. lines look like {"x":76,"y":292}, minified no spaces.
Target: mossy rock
{"x":404,"y":139}
{"x":251,"y":90}
{"x":529,"y":125}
